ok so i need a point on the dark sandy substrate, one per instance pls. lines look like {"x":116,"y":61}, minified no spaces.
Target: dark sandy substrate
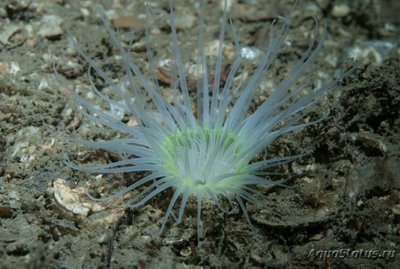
{"x":341,"y":208}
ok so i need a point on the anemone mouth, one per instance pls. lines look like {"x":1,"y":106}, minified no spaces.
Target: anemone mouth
{"x":216,"y":153}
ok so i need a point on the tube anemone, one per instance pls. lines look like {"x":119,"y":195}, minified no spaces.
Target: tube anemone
{"x":209,"y":154}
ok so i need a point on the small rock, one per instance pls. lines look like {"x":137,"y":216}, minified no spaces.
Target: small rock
{"x":184,"y":21}
{"x":373,"y":176}
{"x":128,"y":22}
{"x":51,"y":27}
{"x":252,"y":13}
{"x":5,"y":212}
{"x":323,"y":4}
{"x":340,"y":10}
{"x":372,"y":51}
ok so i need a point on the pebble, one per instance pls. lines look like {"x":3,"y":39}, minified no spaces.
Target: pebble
{"x":185,"y":21}
{"x":372,"y":51}
{"x":50,"y":26}
{"x":340,"y":10}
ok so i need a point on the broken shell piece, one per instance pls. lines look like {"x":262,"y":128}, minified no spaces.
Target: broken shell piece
{"x":69,"y":199}
{"x":9,"y":32}
{"x":74,"y":202}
